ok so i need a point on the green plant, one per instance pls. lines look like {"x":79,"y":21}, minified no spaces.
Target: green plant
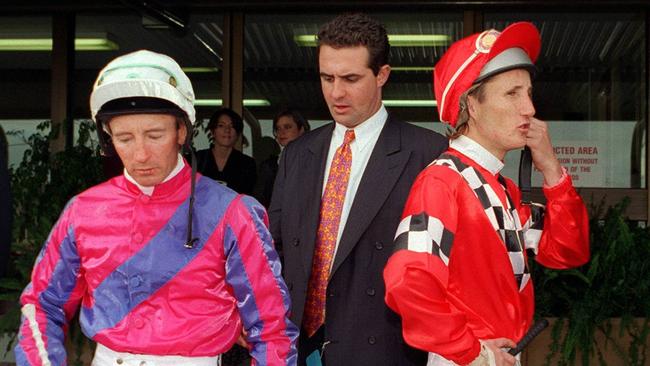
{"x":41,"y":185}
{"x":614,"y":284}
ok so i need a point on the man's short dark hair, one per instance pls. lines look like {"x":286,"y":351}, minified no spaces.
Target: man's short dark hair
{"x":357,"y":29}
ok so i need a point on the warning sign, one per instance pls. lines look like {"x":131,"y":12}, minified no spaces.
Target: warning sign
{"x":580,"y":158}
{"x":595,"y":154}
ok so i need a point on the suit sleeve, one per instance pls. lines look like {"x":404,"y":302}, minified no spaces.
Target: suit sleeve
{"x":416,"y":275}
{"x":253,"y":271}
{"x":557,"y":234}
{"x":51,"y":299}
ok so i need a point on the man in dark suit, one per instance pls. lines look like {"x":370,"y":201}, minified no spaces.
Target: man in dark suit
{"x":337,"y":201}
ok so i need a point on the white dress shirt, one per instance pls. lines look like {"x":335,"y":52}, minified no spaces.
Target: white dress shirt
{"x":484,"y":158}
{"x":365,"y":138}
{"x":478,"y":153}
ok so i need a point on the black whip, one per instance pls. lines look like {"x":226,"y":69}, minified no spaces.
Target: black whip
{"x":525,"y":171}
{"x":537,"y":328}
{"x":191,"y":240}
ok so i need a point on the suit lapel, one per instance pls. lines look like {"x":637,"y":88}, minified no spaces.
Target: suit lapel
{"x":314,"y":168}
{"x":385,"y":165}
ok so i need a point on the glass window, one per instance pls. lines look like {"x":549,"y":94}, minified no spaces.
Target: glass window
{"x":590,"y":88}
{"x":17,"y":131}
{"x":25,"y":78}
{"x":281,"y":65}
{"x":197,"y":48}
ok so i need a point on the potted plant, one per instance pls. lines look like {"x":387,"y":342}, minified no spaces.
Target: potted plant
{"x":41,"y":185}
{"x":603,"y":307}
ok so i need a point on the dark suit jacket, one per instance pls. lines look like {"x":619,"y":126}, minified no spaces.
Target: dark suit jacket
{"x":359,"y":325}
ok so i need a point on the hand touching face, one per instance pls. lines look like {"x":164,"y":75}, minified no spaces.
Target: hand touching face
{"x":544,"y":159}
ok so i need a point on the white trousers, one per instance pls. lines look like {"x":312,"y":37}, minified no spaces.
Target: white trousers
{"x":105,"y":356}
{"x":437,"y":360}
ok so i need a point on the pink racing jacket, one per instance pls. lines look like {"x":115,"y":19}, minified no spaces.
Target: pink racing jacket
{"x":120,"y":255}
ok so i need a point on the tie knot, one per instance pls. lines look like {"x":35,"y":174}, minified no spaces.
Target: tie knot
{"x":349,"y":136}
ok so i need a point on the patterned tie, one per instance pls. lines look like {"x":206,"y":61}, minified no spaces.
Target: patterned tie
{"x":330,"y":216}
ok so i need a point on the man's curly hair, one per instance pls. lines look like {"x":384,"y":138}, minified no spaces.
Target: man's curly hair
{"x":357,"y":29}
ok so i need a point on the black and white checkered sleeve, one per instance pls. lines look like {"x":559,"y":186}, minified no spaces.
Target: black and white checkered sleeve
{"x":423,"y":233}
{"x":533,"y":227}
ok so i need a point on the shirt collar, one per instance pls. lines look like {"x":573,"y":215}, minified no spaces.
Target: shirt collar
{"x":365,"y":131}
{"x":476,"y":152}
{"x":149,"y":190}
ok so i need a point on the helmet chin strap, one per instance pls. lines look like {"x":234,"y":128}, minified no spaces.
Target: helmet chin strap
{"x":189,"y":244}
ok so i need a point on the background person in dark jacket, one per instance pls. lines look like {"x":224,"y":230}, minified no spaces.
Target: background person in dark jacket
{"x":288,"y":125}
{"x":222,"y":162}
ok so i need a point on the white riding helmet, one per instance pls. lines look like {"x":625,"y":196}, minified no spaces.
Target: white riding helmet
{"x":140,"y":82}
{"x":143,"y":74}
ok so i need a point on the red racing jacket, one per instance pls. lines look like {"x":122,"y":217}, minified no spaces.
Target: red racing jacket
{"x":119,"y":255}
{"x":459,"y":272}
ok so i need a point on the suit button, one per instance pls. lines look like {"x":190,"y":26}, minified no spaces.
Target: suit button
{"x":370,"y":291}
{"x":330,"y":293}
{"x":379,"y":245}
{"x":372,"y":340}
{"x":296,"y":242}
{"x":139,"y":323}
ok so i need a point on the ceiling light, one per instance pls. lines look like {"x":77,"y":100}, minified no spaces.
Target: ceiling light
{"x":411,"y":68}
{"x":418,"y":40}
{"x":45,"y":44}
{"x":395,"y":40}
{"x":266,"y":103}
{"x":198,"y":70}
{"x":410,"y":103}
{"x":219,"y":102}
